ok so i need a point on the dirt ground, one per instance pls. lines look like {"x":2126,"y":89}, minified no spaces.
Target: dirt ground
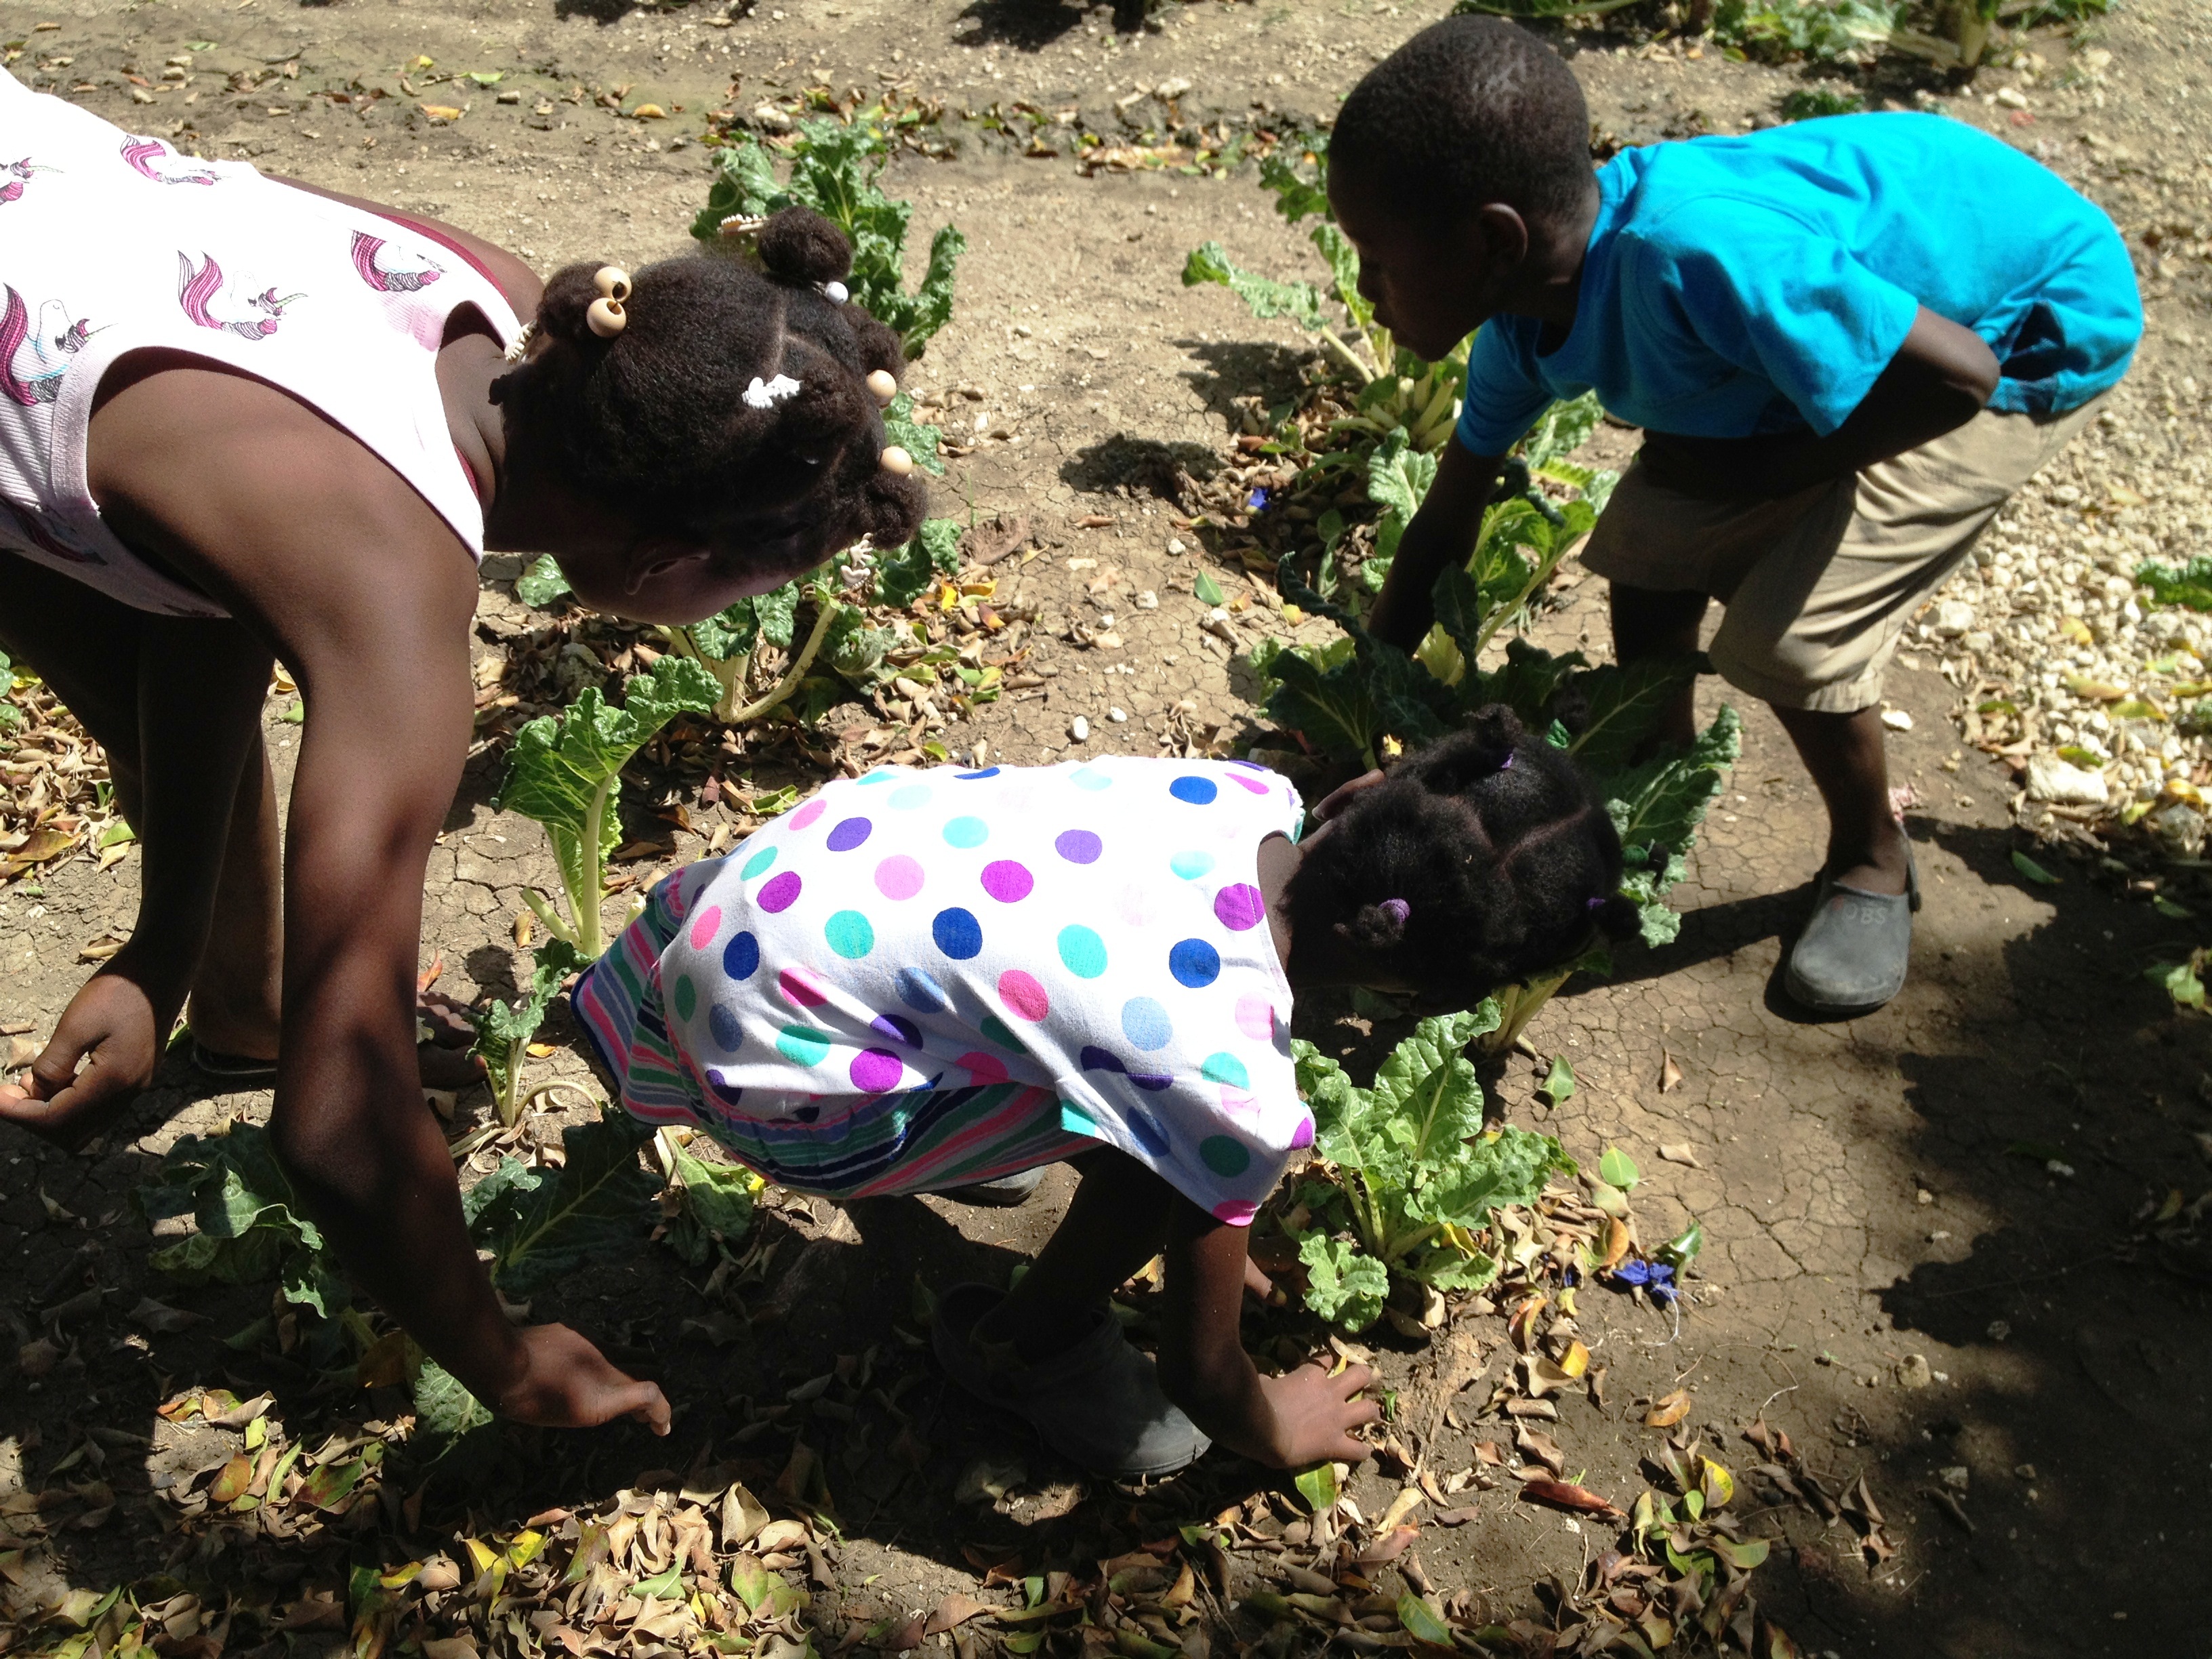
{"x":1957,"y":1178}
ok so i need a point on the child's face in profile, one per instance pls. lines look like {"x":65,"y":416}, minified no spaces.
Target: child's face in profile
{"x":1429,"y":288}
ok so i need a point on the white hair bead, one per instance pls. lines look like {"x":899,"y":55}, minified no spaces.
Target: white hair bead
{"x":836,"y":293}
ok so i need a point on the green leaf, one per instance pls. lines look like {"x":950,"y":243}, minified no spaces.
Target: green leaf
{"x":2182,"y":981}
{"x":1317,"y":1486}
{"x":716,"y":1205}
{"x":563,"y":769}
{"x":503,"y":1029}
{"x":665,"y":1586}
{"x":1299,"y":301}
{"x":2190,"y":586}
{"x":542,"y":1224}
{"x":1618,"y":708}
{"x":1421,"y":1622}
{"x":1208,"y":590}
{"x":442,"y":1405}
{"x":2035,"y":871}
{"x":249,"y":1228}
{"x":904,"y":574}
{"x":1617,"y":1169}
{"x":2172,"y":912}
{"x":1682,"y":1249}
{"x":1558,"y":1085}
{"x":1343,"y":1284}
{"x":543,"y":582}
{"x":918,"y":438}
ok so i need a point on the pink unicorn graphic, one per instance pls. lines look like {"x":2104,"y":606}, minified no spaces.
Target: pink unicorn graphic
{"x":198,"y":285}
{"x":384,"y":279}
{"x":15,"y":175}
{"x":33,"y":361}
{"x":152,"y":159}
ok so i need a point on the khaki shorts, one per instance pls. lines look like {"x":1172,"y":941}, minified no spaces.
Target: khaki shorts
{"x":1819,"y":585}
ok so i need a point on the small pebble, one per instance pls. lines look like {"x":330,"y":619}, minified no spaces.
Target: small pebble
{"x":1117,"y":715}
{"x":1079,"y":729}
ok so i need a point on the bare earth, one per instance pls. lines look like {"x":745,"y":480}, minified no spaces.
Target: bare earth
{"x":1869,"y":1192}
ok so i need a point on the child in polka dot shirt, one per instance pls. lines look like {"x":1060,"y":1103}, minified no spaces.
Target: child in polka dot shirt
{"x":919,"y":981}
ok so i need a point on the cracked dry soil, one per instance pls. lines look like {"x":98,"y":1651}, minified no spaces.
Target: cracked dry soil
{"x":1860,"y":1187}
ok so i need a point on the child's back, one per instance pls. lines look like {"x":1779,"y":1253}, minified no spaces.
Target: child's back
{"x":1738,"y":286}
{"x":868,"y":995}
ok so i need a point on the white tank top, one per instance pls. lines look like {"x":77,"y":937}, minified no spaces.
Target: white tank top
{"x":111,"y":243}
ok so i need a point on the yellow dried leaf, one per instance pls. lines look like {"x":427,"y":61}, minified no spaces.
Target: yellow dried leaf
{"x":1522,"y":1326}
{"x":1616,"y":1242}
{"x":481,"y":1555}
{"x":441,"y":112}
{"x":1575,"y":1360}
{"x":1668,"y":1410}
{"x":649,"y":112}
{"x":2076,"y":630}
{"x":235,"y":1477}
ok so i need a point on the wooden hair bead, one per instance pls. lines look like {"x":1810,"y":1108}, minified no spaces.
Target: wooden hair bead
{"x":612,"y":281}
{"x":606,"y":318}
{"x":883,"y":387}
{"x":895,"y":460}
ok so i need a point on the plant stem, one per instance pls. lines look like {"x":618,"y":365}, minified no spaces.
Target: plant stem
{"x":1334,"y":343}
{"x":546,"y":914}
{"x":591,"y":890}
{"x":784,"y":687}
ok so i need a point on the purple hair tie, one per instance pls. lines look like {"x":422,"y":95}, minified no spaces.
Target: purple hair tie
{"x":1396,"y":909}
{"x":1507,"y":762}
{"x":1597,"y":901}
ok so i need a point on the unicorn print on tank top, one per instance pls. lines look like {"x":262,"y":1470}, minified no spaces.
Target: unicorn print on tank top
{"x":152,"y":159}
{"x":392,"y":276}
{"x":199,"y":286}
{"x":33,"y":361}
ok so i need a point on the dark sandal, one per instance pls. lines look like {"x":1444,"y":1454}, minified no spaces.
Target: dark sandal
{"x":240,"y":1071}
{"x":1853,"y":955}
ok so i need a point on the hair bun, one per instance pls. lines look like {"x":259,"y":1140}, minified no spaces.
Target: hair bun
{"x":799,"y":245}
{"x":563,"y":305}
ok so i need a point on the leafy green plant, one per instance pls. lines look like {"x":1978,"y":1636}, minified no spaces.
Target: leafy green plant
{"x":1819,"y":30}
{"x":834,"y":168}
{"x":504,"y":1029}
{"x":2189,"y":585}
{"x":1413,"y":1175}
{"x":565,"y":771}
{"x":706,"y":1206}
{"x":1394,"y":391}
{"x":538,"y":1224}
{"x":1811,"y":103}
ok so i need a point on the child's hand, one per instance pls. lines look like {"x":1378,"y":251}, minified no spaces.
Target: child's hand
{"x":1316,"y":1413}
{"x":567,"y":1384}
{"x":104,"y":1050}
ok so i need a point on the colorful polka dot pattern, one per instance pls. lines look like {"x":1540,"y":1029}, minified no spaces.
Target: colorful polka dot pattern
{"x":1096,"y":930}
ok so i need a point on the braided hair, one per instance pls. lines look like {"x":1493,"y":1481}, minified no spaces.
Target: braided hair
{"x":655,"y":423}
{"x":1480,"y":860}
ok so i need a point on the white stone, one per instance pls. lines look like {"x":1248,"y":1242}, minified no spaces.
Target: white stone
{"x":1897,"y":720}
{"x":1117,"y":715}
{"x":2064,"y":784}
{"x":1171,"y":89}
{"x":1953,"y":617}
{"x":1079,"y":729}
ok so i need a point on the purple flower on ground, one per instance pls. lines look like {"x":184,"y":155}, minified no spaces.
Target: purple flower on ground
{"x":1656,"y":1278}
{"x":1257,"y":500}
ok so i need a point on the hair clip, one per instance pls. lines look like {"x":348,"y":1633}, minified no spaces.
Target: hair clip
{"x":1598,"y":902}
{"x":1396,"y":909}
{"x":739,"y":224}
{"x":765,"y":394}
{"x":605,"y":313}
{"x":1507,"y":762}
{"x":895,"y":460}
{"x":882,"y":386}
{"x":520,"y":346}
{"x":835,"y":292}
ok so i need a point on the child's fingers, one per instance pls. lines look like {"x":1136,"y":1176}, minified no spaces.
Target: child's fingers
{"x":1352,"y":1380}
{"x":650,"y":1407}
{"x":1257,"y":1282}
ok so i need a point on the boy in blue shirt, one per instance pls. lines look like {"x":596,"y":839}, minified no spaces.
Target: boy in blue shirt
{"x":1848,"y":342}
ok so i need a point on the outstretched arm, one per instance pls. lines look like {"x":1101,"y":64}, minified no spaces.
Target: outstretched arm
{"x":1442,"y":533}
{"x":1303,"y":1417}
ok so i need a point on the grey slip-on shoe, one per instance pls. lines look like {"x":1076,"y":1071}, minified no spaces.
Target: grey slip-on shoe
{"x":1099,"y":1403}
{"x":1852,"y":957}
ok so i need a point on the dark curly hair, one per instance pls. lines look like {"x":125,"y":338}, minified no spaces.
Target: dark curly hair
{"x":1470,"y":111}
{"x":1480,"y":860}
{"x":653,"y":423}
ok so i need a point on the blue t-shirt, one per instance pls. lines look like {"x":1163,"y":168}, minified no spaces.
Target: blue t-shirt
{"x":1735,"y":286}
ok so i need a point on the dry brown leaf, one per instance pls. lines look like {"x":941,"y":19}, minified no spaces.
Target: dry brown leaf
{"x":955,"y":1609}
{"x":1537,"y":1447}
{"x":1565,"y":1495}
{"x":1670,"y":1074}
{"x":1681,"y":1151}
{"x":1668,"y":1410}
{"x":162,"y":1319}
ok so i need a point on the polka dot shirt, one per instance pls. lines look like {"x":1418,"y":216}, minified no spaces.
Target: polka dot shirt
{"x":1095,"y":930}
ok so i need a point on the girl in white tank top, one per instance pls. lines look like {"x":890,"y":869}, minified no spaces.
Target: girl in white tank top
{"x":242,"y":420}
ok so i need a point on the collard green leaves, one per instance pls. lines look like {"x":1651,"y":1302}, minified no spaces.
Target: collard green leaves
{"x":1209,"y":262}
{"x":249,"y":1225}
{"x":1415,"y":1172}
{"x":504,"y":1029}
{"x":541,"y":1224}
{"x":904,"y":573}
{"x":835,"y":167}
{"x":564,"y":769}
